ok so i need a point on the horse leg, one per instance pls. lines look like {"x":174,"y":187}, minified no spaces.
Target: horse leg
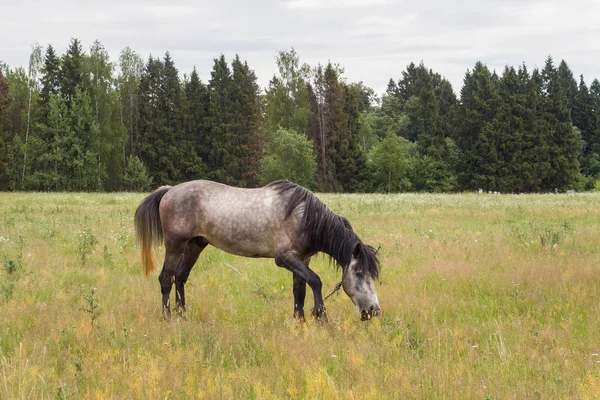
{"x":300,"y":294}
{"x":173,"y":256}
{"x":166,"y":283}
{"x":294,"y":264}
{"x":190,"y":256}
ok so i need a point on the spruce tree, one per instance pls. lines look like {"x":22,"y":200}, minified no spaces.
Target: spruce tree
{"x":71,"y":70}
{"x":582,"y":115}
{"x":196,"y":123}
{"x":248,"y":138}
{"x":479,"y":104}
{"x":219,"y":111}
{"x":151,"y":142}
{"x":563,"y":141}
{"x":50,"y":79}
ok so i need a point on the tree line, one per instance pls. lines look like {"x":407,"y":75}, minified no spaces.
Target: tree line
{"x":81,"y":122}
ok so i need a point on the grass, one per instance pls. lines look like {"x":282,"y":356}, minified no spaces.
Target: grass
{"x":484,"y":297}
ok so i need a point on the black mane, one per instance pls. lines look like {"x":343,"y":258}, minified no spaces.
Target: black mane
{"x":327,"y":231}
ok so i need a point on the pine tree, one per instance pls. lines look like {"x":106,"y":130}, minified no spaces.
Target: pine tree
{"x":196,"y":122}
{"x":352,"y":172}
{"x":592,"y":161}
{"x":150,"y":141}
{"x":247,"y":140}
{"x":563,"y":140}
{"x":583,"y":118}
{"x":220,"y":152}
{"x":335,"y":127}
{"x":71,"y":71}
{"x":479,"y":103}
{"x":65,"y":154}
{"x":50,"y":79}
{"x":568,"y":82}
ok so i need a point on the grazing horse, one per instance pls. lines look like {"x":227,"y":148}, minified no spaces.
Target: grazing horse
{"x":281,"y":220}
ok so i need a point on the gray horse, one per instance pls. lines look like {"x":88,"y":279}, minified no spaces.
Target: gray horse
{"x":281,"y":220}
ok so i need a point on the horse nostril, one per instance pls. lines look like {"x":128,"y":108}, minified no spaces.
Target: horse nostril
{"x":372,"y":308}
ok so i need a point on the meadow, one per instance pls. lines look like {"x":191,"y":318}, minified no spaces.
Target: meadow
{"x":483,"y":297}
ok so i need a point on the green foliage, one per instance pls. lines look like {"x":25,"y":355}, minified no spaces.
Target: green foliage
{"x":392,"y":162}
{"x":136,"y":177}
{"x":12,"y":270}
{"x":71,"y":70}
{"x":287,"y":98}
{"x":5,"y":136}
{"x":91,"y":305}
{"x":290,"y":156}
{"x":75,"y":126}
{"x":86,"y":243}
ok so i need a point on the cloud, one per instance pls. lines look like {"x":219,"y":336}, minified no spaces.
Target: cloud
{"x":373,"y":40}
{"x":332,"y":4}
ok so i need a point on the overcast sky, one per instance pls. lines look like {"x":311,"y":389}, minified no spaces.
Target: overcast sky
{"x":374,"y":40}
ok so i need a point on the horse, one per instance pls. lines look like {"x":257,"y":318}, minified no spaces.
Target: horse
{"x":281,"y":220}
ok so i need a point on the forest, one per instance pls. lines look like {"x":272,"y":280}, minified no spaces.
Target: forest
{"x":83,"y":122}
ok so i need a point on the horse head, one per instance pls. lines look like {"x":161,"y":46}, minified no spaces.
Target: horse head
{"x":358,"y":280}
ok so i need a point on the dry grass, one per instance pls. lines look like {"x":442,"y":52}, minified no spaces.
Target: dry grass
{"x":484,"y":297}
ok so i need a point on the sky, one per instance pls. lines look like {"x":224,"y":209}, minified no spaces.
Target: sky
{"x":373,"y":40}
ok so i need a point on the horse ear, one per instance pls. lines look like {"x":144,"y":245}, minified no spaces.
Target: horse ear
{"x":356,"y":251}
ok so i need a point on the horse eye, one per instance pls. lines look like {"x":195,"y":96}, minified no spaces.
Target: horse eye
{"x":358,"y":273}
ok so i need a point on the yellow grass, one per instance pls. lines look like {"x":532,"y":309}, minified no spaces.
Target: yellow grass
{"x":484,"y":296}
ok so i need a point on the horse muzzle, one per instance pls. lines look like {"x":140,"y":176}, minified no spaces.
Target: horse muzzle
{"x":373,"y":311}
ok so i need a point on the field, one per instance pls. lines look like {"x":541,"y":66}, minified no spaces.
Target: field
{"x":484,"y":296}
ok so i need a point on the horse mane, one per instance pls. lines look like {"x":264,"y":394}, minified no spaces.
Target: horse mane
{"x":326,"y":231}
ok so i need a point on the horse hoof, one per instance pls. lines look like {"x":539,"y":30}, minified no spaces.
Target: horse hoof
{"x":181,"y":313}
{"x":320,"y":316}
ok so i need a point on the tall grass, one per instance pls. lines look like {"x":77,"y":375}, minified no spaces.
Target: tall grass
{"x":484,"y":296}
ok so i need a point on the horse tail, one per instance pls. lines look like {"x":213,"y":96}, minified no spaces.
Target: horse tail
{"x":148,"y":227}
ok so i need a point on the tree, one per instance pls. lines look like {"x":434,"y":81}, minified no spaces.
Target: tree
{"x":99,"y":84}
{"x":479,"y":104}
{"x":4,"y":130}
{"x":563,"y":141}
{"x":287,"y":98}
{"x":71,"y":71}
{"x":392,"y":162}
{"x":18,"y":92}
{"x":592,"y":165}
{"x":247,"y":139}
{"x":583,"y":118}
{"x":196,"y":122}
{"x":290,"y":156}
{"x":50,"y":80}
{"x":335,"y":131}
{"x":220,"y":87}
{"x":35,"y":64}
{"x":136,"y":177}
{"x":131,"y":66}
